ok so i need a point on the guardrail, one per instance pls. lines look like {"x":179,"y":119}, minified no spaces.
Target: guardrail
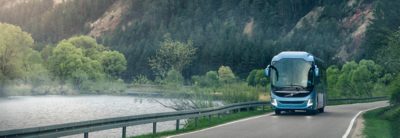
{"x":122,"y":122}
{"x":355,"y":100}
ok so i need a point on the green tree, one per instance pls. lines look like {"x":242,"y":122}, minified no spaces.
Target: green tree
{"x":65,"y":60}
{"x":394,"y":88}
{"x":257,"y":78}
{"x":15,"y":46}
{"x":225,"y":74}
{"x":389,"y":54}
{"x":174,"y":77}
{"x":89,"y":46}
{"x":113,"y":62}
{"x":356,"y":80}
{"x":172,"y":55}
{"x":332,"y":80}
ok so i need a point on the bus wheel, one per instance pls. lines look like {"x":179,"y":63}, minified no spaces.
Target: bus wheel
{"x":277,"y":112}
{"x":321,"y":110}
{"x":312,"y":112}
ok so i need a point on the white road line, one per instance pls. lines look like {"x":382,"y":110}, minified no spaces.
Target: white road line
{"x":220,"y":125}
{"x":345,"y":135}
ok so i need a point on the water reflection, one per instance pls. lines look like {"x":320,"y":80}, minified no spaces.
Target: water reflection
{"x":32,"y":111}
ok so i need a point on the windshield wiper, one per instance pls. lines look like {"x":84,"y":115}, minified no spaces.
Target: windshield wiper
{"x":297,"y":87}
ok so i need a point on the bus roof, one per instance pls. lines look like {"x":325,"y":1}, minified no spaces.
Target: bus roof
{"x":294,"y":54}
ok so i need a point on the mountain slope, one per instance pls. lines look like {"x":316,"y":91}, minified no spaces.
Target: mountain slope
{"x":242,"y":34}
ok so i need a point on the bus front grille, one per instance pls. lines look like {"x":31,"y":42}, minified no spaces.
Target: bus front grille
{"x":292,"y":102}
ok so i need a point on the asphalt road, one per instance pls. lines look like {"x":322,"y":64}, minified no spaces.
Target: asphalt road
{"x":331,"y":124}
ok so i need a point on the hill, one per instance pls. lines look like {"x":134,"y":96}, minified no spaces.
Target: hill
{"x":242,"y":34}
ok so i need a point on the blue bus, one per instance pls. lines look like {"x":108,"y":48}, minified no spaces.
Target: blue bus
{"x":294,"y":78}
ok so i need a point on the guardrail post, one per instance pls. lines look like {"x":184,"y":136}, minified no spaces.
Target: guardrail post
{"x":124,"y":132}
{"x":263,"y":107}
{"x":177,"y":125}
{"x":154,"y":127}
{"x":86,"y":135}
{"x":209,"y":119}
{"x":195,"y":121}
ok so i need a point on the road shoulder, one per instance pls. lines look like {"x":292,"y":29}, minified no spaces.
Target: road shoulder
{"x":358,"y":128}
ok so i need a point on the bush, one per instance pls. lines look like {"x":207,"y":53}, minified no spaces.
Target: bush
{"x":225,"y":74}
{"x":209,"y":80}
{"x":141,"y":80}
{"x":395,"y":89}
{"x":238,"y":92}
{"x":173,"y":80}
{"x":363,"y":79}
{"x":257,"y":78}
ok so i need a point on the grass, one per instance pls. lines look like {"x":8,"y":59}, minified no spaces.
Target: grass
{"x":382,"y":123}
{"x":205,"y":123}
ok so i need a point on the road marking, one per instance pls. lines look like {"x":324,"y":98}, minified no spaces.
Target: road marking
{"x":201,"y":130}
{"x":345,"y":135}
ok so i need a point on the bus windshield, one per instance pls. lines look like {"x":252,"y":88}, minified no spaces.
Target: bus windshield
{"x":291,"y":73}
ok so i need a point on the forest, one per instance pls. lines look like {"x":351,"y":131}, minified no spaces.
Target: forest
{"x":197,"y":42}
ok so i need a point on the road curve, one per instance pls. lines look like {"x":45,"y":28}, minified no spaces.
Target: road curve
{"x":331,"y":124}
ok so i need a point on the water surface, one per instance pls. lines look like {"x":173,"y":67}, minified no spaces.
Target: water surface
{"x":33,"y":111}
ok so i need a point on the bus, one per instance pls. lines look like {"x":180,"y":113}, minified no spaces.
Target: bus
{"x":294,"y":77}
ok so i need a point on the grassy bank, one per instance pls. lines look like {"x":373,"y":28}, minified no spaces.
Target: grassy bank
{"x":382,"y":123}
{"x":205,"y":123}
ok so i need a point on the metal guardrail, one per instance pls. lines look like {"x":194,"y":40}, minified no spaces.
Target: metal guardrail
{"x":355,"y":100}
{"x":122,"y":122}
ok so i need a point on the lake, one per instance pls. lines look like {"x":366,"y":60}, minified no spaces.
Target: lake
{"x":33,"y":111}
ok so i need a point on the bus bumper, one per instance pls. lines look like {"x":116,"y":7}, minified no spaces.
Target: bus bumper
{"x":293,"y":103}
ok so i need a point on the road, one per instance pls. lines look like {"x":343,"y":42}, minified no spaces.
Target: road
{"x":331,"y":124}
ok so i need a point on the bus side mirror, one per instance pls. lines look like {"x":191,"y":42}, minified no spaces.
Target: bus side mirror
{"x":316,"y":71}
{"x":267,"y":71}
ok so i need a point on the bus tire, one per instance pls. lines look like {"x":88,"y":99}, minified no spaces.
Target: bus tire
{"x":312,"y":112}
{"x":277,"y":112}
{"x":321,"y":110}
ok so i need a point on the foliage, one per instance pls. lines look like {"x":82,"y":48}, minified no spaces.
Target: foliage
{"x":80,"y":59}
{"x":174,"y":77}
{"x":141,"y":79}
{"x":172,"y":55}
{"x":375,"y":125}
{"x":113,"y":62}
{"x":389,"y":54}
{"x":257,"y":78}
{"x":18,"y":59}
{"x":225,"y":74}
{"x":356,"y":80}
{"x":237,"y":92}
{"x":210,"y":79}
{"x":51,"y":22}
{"x":394,"y":88}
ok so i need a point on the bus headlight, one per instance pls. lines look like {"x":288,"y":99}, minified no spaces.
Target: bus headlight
{"x":309,"y":103}
{"x":274,"y":102}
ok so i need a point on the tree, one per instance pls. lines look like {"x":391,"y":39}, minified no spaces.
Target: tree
{"x":389,"y":54}
{"x":174,"y":77}
{"x":257,"y":78}
{"x":363,"y":79}
{"x":15,"y":45}
{"x":332,"y":80}
{"x":225,"y":74}
{"x":172,"y":55}
{"x":394,"y":88}
{"x":113,"y":62}
{"x":65,"y":60}
{"x":81,"y":59}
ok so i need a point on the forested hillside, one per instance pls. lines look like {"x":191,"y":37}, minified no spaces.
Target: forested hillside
{"x":242,"y":34}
